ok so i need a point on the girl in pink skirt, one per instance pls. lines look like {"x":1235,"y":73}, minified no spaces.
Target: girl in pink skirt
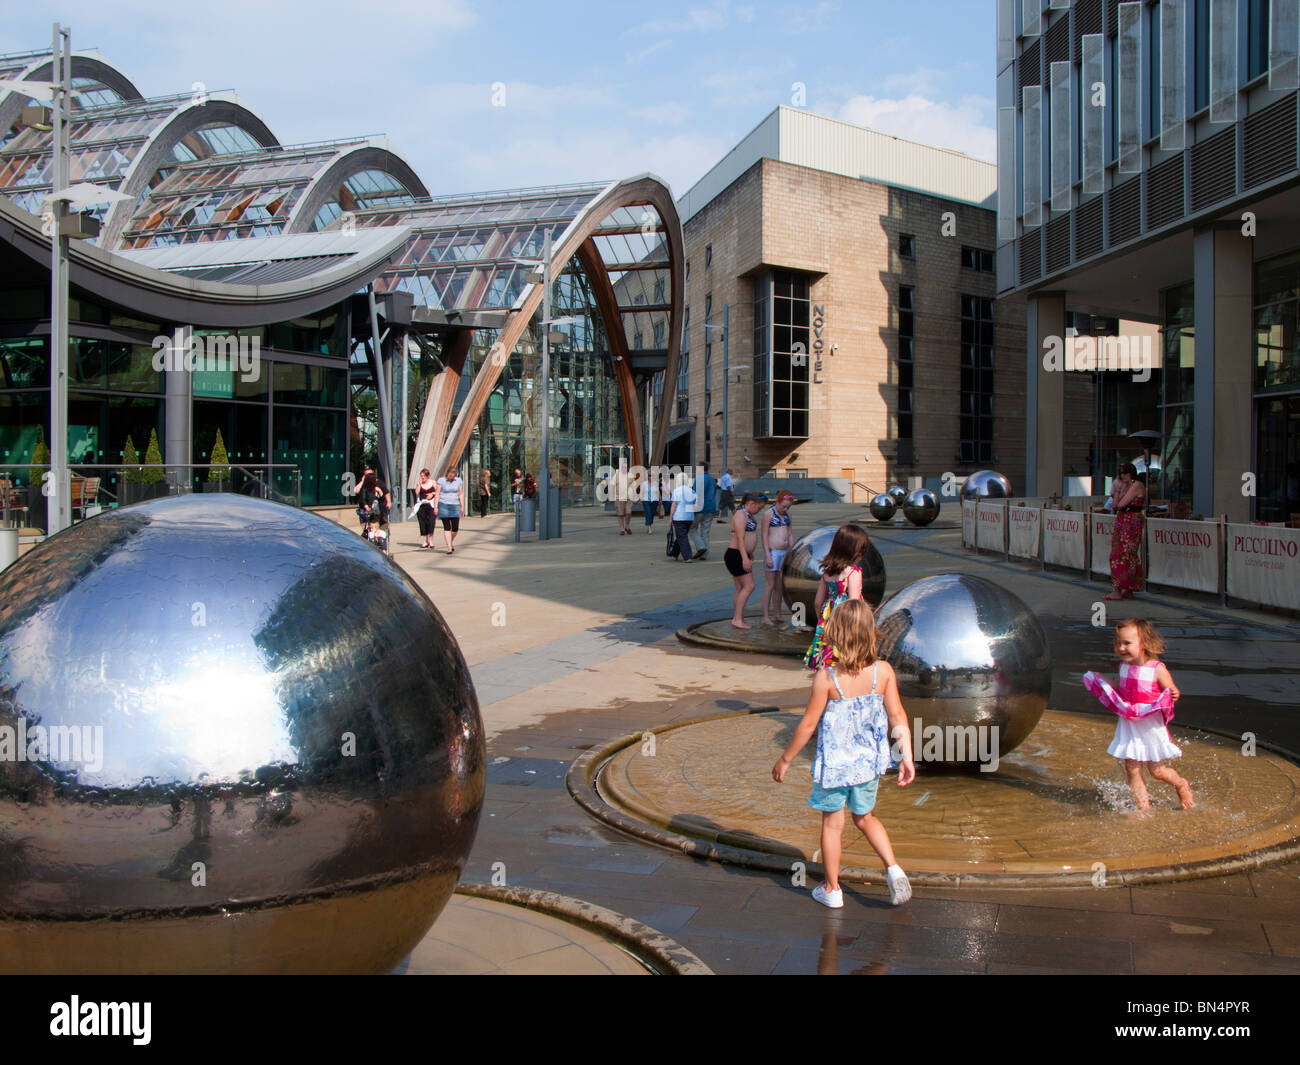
{"x":1145,"y":705}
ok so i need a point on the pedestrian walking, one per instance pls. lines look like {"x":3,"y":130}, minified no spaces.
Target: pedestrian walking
{"x":727,"y":500}
{"x":682,"y":516}
{"x":706,"y":509}
{"x":451,"y":504}
{"x":484,"y":492}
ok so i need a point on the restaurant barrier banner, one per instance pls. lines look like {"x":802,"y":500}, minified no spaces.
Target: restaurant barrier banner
{"x":1063,"y":538}
{"x":1264,"y":565}
{"x":1184,"y":554}
{"x":991,"y":525}
{"x":1022,"y":531}
{"x":1103,"y":527}
{"x":968,"y":523}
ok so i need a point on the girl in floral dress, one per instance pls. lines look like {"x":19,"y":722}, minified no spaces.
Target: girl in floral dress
{"x":841,"y":581}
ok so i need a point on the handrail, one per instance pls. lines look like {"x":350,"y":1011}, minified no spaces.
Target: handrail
{"x":253,"y":473}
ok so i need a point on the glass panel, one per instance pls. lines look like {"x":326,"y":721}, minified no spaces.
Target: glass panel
{"x":1093,"y":91}
{"x":1283,"y":44}
{"x":1060,"y":137}
{"x":1006,"y":173}
{"x":1033,"y":154}
{"x":1223,"y":60}
{"x":24,"y":363}
{"x":1129,"y":90}
{"x":1006,"y":32}
{"x":1033,"y":17}
{"x":1173,"y":76}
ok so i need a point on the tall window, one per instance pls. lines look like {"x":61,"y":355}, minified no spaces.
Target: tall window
{"x":782,"y":341}
{"x":684,"y":387}
{"x":1177,"y":381}
{"x":906,"y":335}
{"x":976,"y":415}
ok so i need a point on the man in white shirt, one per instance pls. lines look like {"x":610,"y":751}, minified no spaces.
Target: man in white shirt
{"x":727,"y":504}
{"x":682,"y":515}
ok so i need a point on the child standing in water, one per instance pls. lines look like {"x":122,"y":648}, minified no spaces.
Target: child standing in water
{"x":1145,"y":705}
{"x":778,"y":538}
{"x":841,"y":580}
{"x":852,"y":712}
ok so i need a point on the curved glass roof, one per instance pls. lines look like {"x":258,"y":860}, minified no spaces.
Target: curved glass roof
{"x":253,"y":194}
{"x":104,"y":142}
{"x":465,"y":251}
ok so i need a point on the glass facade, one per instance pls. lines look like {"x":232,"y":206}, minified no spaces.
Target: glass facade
{"x":976,"y":412}
{"x":1277,"y":387}
{"x":1177,"y":381}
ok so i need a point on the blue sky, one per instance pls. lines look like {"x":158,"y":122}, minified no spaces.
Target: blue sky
{"x":591,"y":90}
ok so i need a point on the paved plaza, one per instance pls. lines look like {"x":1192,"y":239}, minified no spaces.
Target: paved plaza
{"x":573,"y":646}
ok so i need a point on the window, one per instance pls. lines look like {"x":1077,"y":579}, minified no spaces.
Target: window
{"x":659,"y":291}
{"x":906,"y":349}
{"x":1257,"y":38}
{"x":684,"y":387}
{"x":977,"y":259}
{"x":708,"y":256}
{"x":782,"y":335}
{"x":906,"y":246}
{"x":976,"y":409}
{"x":708,"y":308}
{"x":688,"y":269}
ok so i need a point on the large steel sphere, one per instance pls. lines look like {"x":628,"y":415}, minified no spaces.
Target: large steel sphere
{"x":279,"y":763}
{"x":921,"y":506}
{"x":801,"y":571}
{"x":986,"y":484}
{"x":967,"y":653}
{"x":898,"y":493}
{"x":883,"y":507}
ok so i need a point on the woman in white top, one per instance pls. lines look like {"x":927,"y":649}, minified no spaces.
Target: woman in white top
{"x":451,"y":504}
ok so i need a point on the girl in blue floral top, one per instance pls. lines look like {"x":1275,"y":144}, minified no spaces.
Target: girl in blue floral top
{"x":854,"y":707}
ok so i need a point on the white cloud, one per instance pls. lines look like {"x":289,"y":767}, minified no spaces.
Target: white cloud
{"x":964,"y":127}
{"x":700,"y":19}
{"x":808,"y":20}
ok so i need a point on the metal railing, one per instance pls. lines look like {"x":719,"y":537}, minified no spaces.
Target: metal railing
{"x":254,"y":479}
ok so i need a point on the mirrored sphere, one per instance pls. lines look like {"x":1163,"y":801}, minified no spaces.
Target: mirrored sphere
{"x":883,"y":507}
{"x":240,"y":740}
{"x":967,"y":653}
{"x":801,"y":571}
{"x":921,"y":506}
{"x":986,"y":484}
{"x":898,"y":493}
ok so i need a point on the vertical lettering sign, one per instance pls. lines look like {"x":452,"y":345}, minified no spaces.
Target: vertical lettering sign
{"x":819,"y":343}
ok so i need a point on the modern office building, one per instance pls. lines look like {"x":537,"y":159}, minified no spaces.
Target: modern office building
{"x":1148,"y":169}
{"x":855,"y":273}
{"x":368,"y":302}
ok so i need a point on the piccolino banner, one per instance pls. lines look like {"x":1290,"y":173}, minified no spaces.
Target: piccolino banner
{"x":991,"y":526}
{"x":1103,"y":528}
{"x":1264,"y":565}
{"x":1022,"y":531}
{"x":1063,"y":538}
{"x":968,"y":523}
{"x":1184,"y":554}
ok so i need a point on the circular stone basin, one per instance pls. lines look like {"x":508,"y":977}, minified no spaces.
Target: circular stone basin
{"x":721,"y":635}
{"x":1054,"y":812}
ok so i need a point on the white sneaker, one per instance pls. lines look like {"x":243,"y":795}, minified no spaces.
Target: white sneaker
{"x":833,"y":899}
{"x":899,"y":888}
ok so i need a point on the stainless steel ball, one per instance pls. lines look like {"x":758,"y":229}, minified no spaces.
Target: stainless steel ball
{"x":801,"y":571}
{"x":973,"y":664}
{"x":898,"y":494}
{"x":882,"y":507}
{"x":986,"y":484}
{"x":260,"y":748}
{"x":921,"y":506}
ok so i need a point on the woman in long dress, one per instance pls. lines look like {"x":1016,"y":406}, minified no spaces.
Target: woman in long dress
{"x":1126,"y":574}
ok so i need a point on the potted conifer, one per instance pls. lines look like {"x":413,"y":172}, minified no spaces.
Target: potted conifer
{"x":219,"y":468}
{"x":153,"y":476}
{"x":129,"y":487}
{"x":37,"y":511}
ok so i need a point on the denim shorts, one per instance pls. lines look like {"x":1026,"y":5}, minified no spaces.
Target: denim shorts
{"x":860,"y":797}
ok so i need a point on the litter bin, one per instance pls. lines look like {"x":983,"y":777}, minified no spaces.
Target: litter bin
{"x":528,"y":514}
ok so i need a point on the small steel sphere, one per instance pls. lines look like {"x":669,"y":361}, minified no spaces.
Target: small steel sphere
{"x":921,"y":506}
{"x":801,"y":571}
{"x":883,"y":507}
{"x":898,"y":493}
{"x":269,"y":755}
{"x":986,"y":484}
{"x":967,"y":653}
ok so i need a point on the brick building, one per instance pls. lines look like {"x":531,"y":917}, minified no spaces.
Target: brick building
{"x":853,"y":272}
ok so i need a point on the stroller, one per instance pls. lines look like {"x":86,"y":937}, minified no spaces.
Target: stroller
{"x":370,"y":514}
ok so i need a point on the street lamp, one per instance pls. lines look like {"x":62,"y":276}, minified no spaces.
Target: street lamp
{"x":533,"y":278}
